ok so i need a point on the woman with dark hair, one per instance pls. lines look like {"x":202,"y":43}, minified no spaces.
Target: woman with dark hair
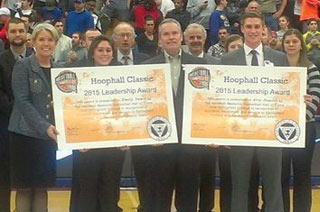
{"x":294,"y":47}
{"x":96,"y":172}
{"x":284,"y":25}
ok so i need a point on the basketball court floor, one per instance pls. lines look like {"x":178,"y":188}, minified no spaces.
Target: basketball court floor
{"x":59,"y":200}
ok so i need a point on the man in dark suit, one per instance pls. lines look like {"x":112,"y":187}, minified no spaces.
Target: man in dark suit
{"x":195,"y":37}
{"x":16,"y":36}
{"x":124,"y":40}
{"x":269,"y":159}
{"x":172,"y":165}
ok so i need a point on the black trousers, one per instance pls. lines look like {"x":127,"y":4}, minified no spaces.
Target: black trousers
{"x":4,"y":170}
{"x":301,"y":163}
{"x":187,"y":178}
{"x":96,"y":180}
{"x":155,"y":174}
{"x":208,"y":161}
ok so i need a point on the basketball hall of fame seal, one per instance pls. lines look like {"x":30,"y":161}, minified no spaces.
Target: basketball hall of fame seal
{"x":287,"y":131}
{"x":159,"y":128}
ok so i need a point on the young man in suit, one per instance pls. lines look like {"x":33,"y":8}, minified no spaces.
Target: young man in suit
{"x":253,"y":53}
{"x":172,"y":165}
{"x":16,"y":35}
{"x":124,"y":40}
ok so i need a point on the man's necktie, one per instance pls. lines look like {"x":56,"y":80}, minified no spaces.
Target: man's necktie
{"x":125,"y":59}
{"x":254,"y":60}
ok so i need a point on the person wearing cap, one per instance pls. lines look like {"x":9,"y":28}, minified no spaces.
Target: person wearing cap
{"x":79,"y":19}
{"x":4,"y":18}
{"x":51,"y":12}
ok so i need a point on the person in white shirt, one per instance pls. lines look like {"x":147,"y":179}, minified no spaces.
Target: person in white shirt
{"x":64,"y":44}
{"x":164,"y":6}
{"x":24,"y":9}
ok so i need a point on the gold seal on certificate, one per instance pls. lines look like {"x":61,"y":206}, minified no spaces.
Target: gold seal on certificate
{"x":99,"y":107}
{"x":244,"y":106}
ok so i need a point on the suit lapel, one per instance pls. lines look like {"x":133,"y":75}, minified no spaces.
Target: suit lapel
{"x":241,"y":55}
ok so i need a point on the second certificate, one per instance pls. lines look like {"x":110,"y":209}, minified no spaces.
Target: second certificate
{"x":244,"y":106}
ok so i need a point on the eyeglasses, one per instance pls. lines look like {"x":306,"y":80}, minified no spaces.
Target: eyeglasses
{"x":122,"y":35}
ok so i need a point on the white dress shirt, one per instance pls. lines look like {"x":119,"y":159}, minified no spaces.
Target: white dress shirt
{"x":259,"y":50}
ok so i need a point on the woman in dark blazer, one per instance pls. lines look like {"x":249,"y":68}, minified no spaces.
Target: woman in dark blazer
{"x":96,"y":172}
{"x":33,"y":134}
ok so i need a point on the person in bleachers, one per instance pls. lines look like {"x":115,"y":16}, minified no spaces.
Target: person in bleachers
{"x":148,"y":41}
{"x":24,"y":9}
{"x":312,"y":40}
{"x":180,"y":14}
{"x":253,"y":6}
{"x":78,"y":52}
{"x":51,"y":12}
{"x":29,"y":43}
{"x":90,"y":6}
{"x":270,"y":39}
{"x":217,"y":50}
{"x":79,"y":19}
{"x":4,"y":18}
{"x":117,"y":9}
{"x":271,"y":13}
{"x":164,"y":6}
{"x":218,"y":19}
{"x":284,"y":25}
{"x":27,"y":21}
{"x":39,"y":4}
{"x":63,"y":46}
{"x":140,"y":11}
{"x":200,"y":11}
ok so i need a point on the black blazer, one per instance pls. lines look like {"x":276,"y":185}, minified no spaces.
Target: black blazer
{"x":6,"y":95}
{"x":178,"y":99}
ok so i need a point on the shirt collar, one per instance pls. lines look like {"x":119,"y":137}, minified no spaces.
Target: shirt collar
{"x":167,"y":56}
{"x":247,"y":49}
{"x":120,"y":55}
{"x":16,"y":55}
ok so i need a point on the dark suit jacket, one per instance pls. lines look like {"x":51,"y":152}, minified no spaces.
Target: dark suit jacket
{"x":178,"y":99}
{"x":211,"y":60}
{"x":238,"y":57}
{"x":138,"y":57}
{"x":6,"y":96}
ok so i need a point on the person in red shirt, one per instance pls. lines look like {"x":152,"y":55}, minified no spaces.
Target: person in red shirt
{"x":147,"y":7}
{"x":4,"y":18}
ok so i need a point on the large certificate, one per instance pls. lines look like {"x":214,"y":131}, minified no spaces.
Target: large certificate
{"x":244,"y":106}
{"x":115,"y":106}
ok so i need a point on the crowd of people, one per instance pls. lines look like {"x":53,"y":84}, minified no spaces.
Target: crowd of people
{"x":37,"y":35}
